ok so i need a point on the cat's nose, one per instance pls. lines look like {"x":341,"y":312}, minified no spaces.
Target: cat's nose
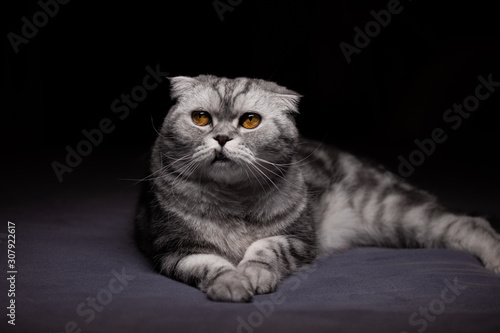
{"x":222,"y":139}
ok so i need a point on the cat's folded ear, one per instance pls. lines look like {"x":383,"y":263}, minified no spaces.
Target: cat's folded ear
{"x":180,"y":84}
{"x":290,"y":99}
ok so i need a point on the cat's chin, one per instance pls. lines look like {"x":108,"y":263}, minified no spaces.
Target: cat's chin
{"x":225,"y":171}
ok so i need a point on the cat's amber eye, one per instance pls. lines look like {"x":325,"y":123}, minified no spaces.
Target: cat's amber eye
{"x":201,"y":118}
{"x":250,"y":120}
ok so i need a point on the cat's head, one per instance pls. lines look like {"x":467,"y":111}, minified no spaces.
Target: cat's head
{"x":229,"y":130}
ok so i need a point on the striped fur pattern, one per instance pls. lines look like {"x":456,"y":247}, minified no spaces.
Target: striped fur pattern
{"x":233,"y":217}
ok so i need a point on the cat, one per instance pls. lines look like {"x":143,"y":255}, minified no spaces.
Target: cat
{"x":236,"y":200}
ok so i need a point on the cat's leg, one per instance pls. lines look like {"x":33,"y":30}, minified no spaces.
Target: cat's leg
{"x":269,"y":260}
{"x":210,"y":273}
{"x":466,"y":233}
{"x":385,"y":211}
{"x":413,"y":217}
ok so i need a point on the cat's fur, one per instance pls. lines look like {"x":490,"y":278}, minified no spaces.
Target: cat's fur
{"x":234,"y":217}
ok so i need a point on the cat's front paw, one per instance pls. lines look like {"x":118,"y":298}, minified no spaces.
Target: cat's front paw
{"x":492,"y":262}
{"x":495,"y":268}
{"x":231,"y":287}
{"x":263,"y":280}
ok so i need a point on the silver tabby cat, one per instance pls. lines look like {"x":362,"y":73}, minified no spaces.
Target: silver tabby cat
{"x":236,"y":200}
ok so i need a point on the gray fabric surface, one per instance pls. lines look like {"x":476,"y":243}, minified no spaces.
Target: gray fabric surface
{"x":74,"y":244}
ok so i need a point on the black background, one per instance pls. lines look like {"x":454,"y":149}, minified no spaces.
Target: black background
{"x":393,"y":92}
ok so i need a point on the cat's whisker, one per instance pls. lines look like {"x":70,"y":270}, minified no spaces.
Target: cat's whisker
{"x":253,"y":174}
{"x":276,"y":164}
{"x":161,"y":170}
{"x":295,"y":162}
{"x":244,"y":169}
{"x":281,"y":175}
{"x":177,"y":160}
{"x":286,"y":164}
{"x":153,"y":125}
{"x":161,"y":173}
{"x":192,"y":170}
{"x":265,"y":176}
{"x":186,"y":171}
{"x":148,"y":177}
{"x":182,"y":172}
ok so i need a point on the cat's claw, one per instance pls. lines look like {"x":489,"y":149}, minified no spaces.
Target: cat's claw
{"x":231,"y":287}
{"x":262,"y":279}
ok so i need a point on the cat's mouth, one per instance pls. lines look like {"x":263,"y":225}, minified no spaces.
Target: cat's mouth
{"x":220,"y":157}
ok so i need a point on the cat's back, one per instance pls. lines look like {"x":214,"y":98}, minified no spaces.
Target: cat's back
{"x":321,"y":164}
